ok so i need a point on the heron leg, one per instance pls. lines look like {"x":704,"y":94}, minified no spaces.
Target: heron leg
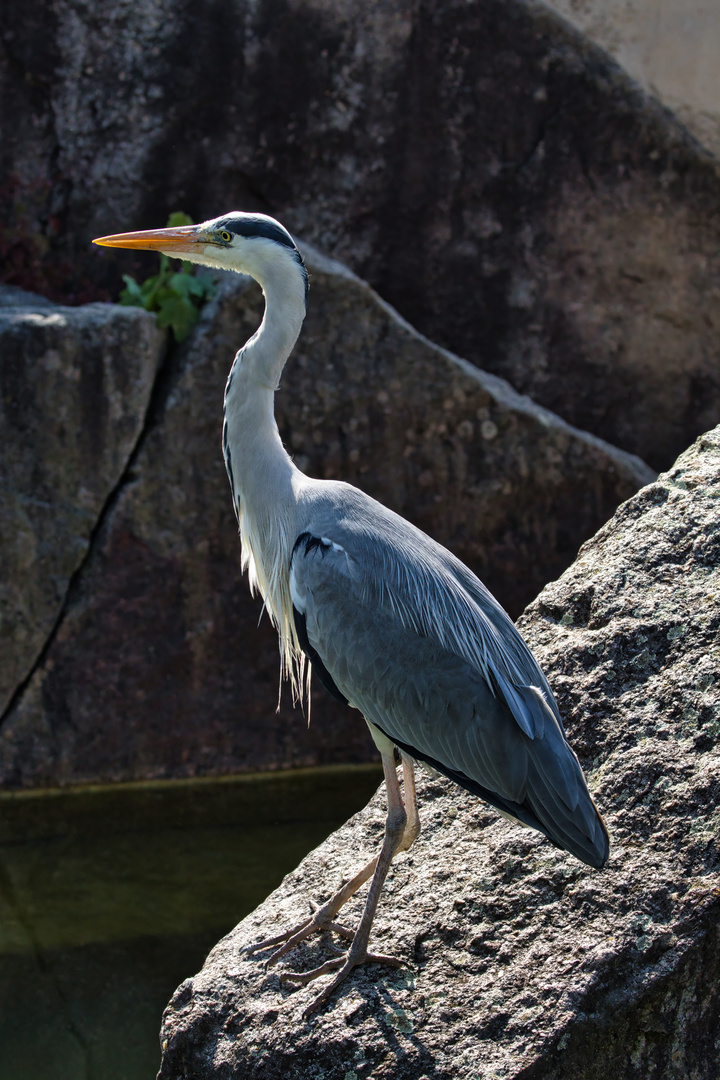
{"x":412,"y":829}
{"x":402,"y":827}
{"x":323,"y":918}
{"x":396,"y":832}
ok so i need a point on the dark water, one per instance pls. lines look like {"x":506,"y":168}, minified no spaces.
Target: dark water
{"x":110,"y":897}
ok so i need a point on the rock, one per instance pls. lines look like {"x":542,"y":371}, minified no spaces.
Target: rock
{"x":511,"y":488}
{"x":670,"y":49}
{"x":159,"y":668}
{"x":11,"y":296}
{"x":519,"y":960}
{"x":494,"y":176}
{"x":75,"y":386}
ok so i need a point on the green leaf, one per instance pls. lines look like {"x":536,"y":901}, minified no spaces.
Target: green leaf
{"x":179,"y":314}
{"x":200,"y":288}
{"x":182,"y":284}
{"x":175,"y":296}
{"x":132,"y":295}
{"x":177,"y":220}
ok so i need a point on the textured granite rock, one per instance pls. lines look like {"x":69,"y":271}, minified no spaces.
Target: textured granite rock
{"x":159,"y":668}
{"x":495,"y":177}
{"x":75,"y":385}
{"x":521,"y":962}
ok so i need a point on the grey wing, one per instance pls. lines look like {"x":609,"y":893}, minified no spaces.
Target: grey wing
{"x":369,"y":649}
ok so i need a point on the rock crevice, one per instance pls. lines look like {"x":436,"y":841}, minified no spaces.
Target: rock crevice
{"x":76,"y":384}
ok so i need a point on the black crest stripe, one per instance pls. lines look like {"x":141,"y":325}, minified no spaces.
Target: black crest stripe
{"x":248,"y":225}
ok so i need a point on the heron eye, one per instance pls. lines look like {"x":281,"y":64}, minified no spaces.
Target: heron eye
{"x":226,"y":236}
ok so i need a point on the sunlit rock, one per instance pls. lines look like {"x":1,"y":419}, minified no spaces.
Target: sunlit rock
{"x":520,"y":961}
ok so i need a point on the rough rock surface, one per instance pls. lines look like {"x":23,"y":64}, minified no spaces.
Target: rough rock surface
{"x":494,"y":176}
{"x":159,"y":667}
{"x":510,"y":487}
{"x":75,"y":384}
{"x":670,"y":48}
{"x":521,"y":962}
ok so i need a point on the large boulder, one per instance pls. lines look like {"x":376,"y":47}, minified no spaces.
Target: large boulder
{"x":158,"y":666}
{"x":75,"y":385}
{"x":670,"y":48}
{"x":520,"y":961}
{"x":494,"y":176}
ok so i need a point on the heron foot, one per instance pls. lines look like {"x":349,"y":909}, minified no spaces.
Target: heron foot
{"x":346,"y":964}
{"x":302,"y":978}
{"x":400,"y":831}
{"x":322,"y":920}
{"x":268,"y":943}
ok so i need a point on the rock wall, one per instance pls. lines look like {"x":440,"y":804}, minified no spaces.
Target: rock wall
{"x":155,"y":665}
{"x":520,"y":961}
{"x":494,"y":176}
{"x":75,"y":387}
{"x":669,"y":46}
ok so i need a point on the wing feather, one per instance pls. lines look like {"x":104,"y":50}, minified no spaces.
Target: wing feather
{"x":411,"y":638}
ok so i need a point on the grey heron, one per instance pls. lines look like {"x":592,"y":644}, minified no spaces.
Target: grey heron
{"x":390,"y":621}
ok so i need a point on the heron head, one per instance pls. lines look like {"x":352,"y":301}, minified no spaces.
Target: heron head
{"x":253,"y":244}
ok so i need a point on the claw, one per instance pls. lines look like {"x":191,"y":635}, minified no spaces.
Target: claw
{"x":302,"y":978}
{"x":292,"y":937}
{"x":350,"y":962}
{"x":269,"y":943}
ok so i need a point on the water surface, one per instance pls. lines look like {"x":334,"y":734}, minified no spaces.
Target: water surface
{"x":111,"y":896}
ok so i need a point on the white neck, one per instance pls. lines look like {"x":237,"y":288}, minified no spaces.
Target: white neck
{"x":257,"y":455}
{"x":263,"y":477}
{"x":282,"y":281}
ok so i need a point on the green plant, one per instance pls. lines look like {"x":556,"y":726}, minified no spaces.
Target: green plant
{"x":176,"y":296}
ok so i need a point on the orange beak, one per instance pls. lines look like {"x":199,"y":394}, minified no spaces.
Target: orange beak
{"x":178,"y":240}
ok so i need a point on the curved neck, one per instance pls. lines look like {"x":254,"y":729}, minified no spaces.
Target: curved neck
{"x":263,"y":477}
{"x":263,"y":357}
{"x":251,"y":431}
{"x":259,"y":468}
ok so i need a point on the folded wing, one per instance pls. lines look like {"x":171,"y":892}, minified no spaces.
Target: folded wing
{"x":404,"y":632}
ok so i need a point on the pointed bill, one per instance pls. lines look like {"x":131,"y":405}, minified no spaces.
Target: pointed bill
{"x":175,"y":241}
